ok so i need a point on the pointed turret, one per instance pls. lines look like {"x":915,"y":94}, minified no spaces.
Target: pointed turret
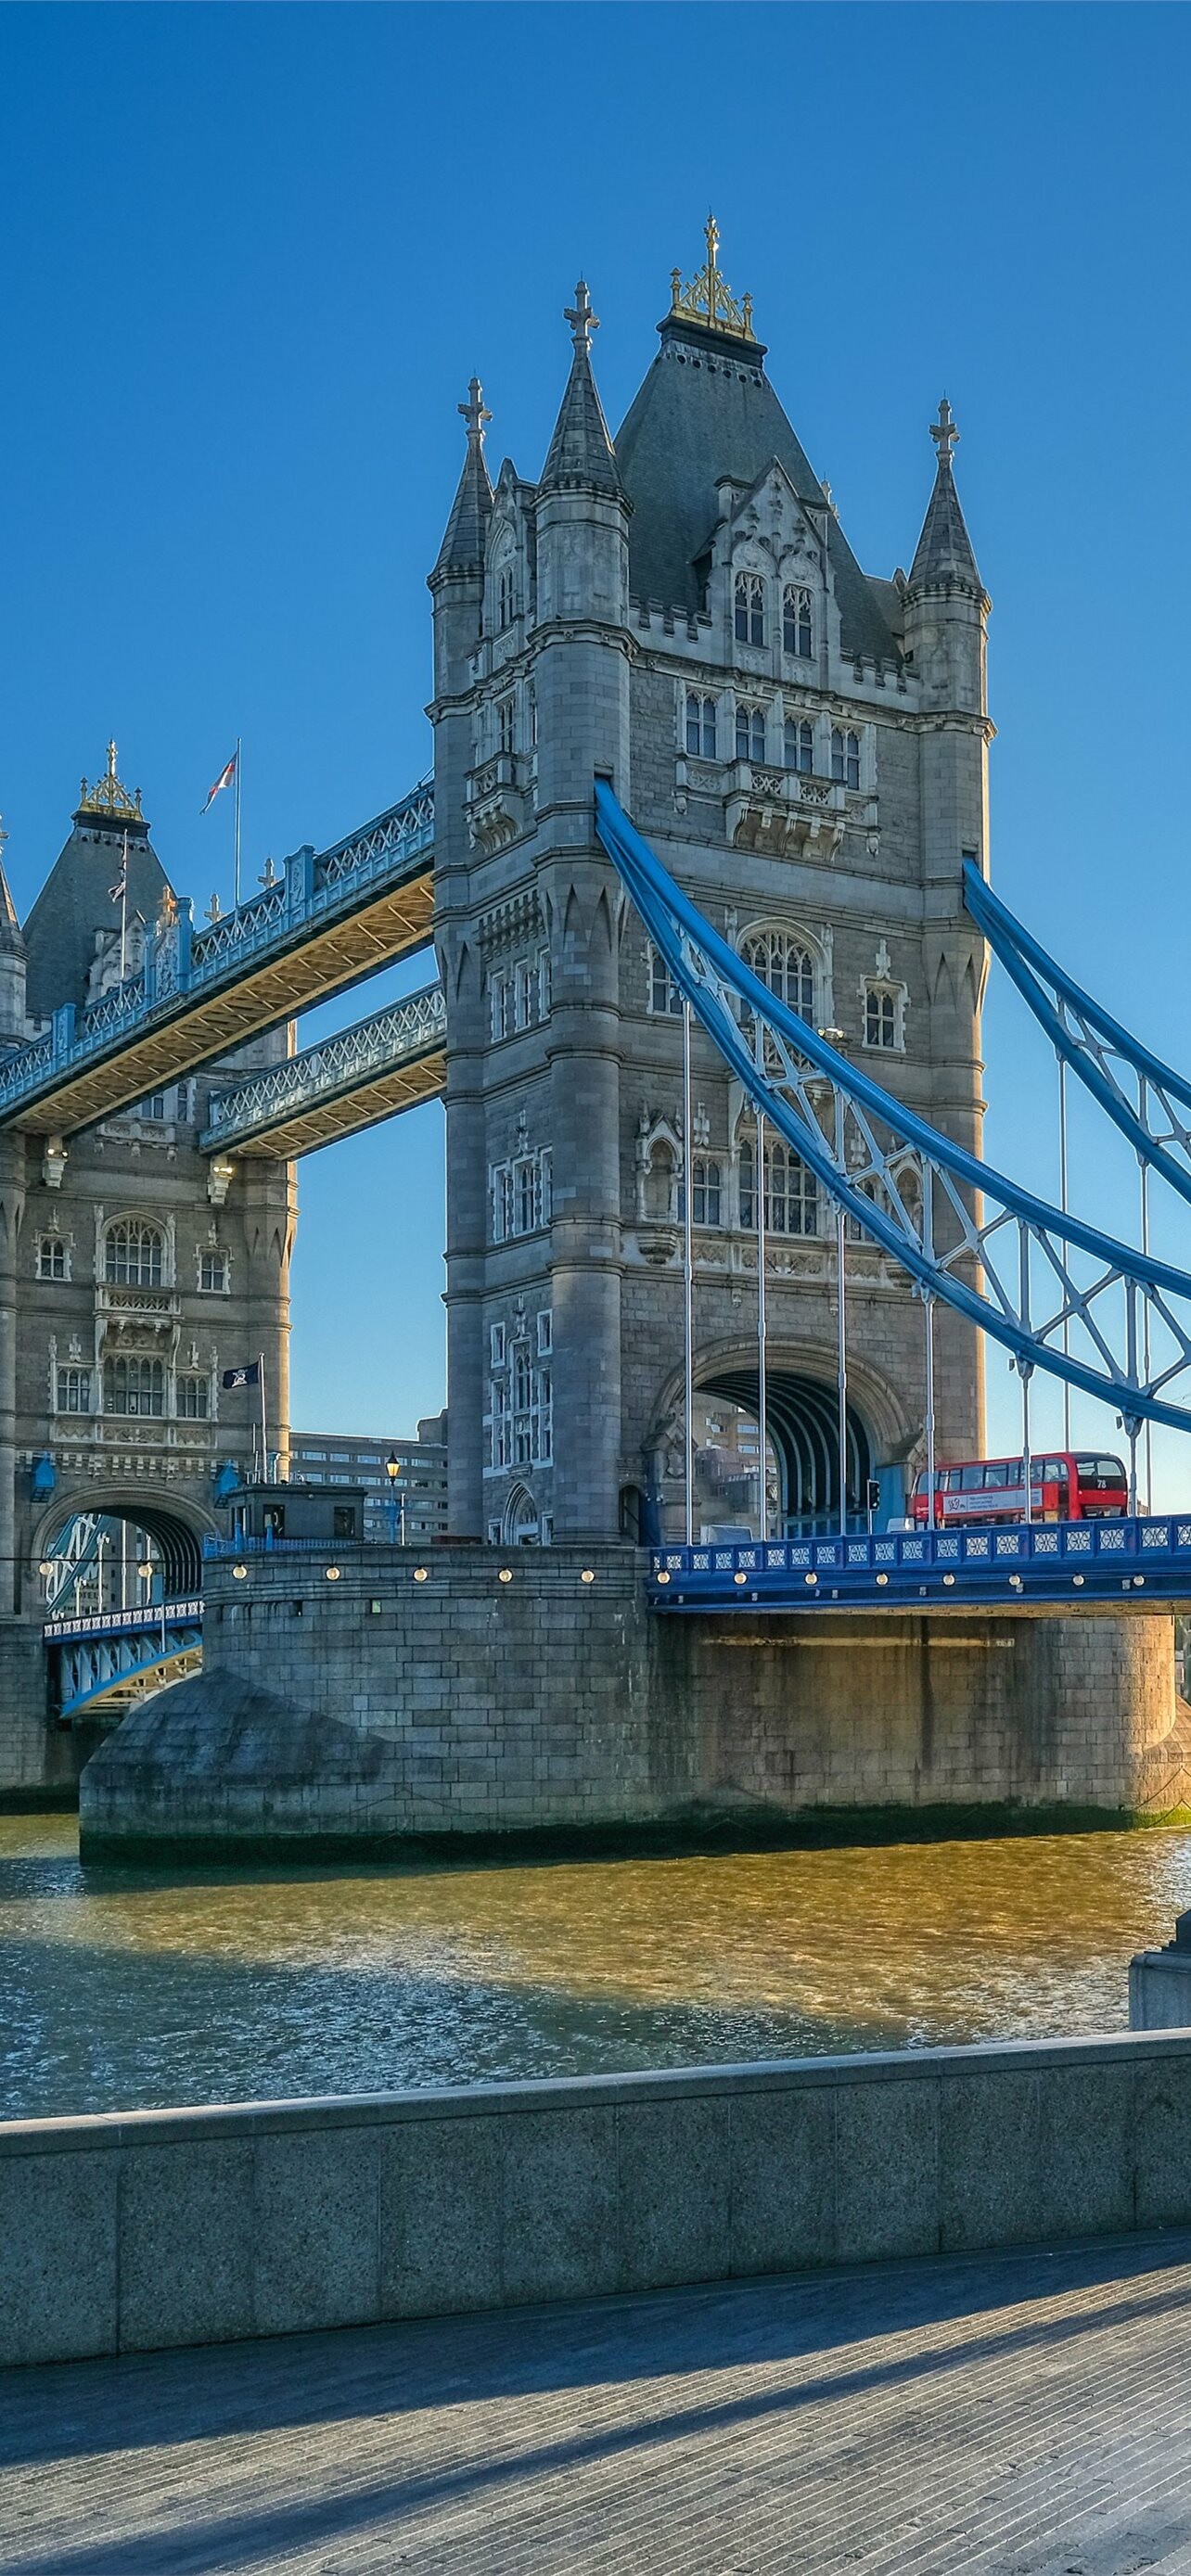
{"x":944,"y":551}
{"x":581,"y":456}
{"x":12,"y":963}
{"x":461,"y":553}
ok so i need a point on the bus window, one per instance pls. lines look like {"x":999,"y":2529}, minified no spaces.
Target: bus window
{"x":1001,"y":1473}
{"x":971,"y":1479}
{"x":1056,"y":1471}
{"x":1098,"y":1475}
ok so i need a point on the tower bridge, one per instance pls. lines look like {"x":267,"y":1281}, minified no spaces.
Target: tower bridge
{"x":709,"y":1047}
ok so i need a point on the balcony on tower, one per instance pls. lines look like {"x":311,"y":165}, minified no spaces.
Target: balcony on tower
{"x":782,"y":811}
{"x":499,"y":801}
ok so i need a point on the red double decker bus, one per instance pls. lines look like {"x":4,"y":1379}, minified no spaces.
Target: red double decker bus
{"x":1065,"y":1485}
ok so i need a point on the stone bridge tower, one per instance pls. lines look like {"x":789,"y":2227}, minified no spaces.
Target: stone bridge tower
{"x":806,"y":747}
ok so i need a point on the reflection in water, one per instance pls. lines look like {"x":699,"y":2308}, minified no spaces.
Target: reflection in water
{"x":119,"y":1988}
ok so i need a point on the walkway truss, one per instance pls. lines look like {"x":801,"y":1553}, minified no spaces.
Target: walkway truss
{"x":1058,"y":1294}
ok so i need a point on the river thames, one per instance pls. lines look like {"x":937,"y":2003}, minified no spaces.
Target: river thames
{"x":121,"y":1988}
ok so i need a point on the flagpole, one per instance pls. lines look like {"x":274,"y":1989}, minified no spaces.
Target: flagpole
{"x":124,"y":910}
{"x":264,"y":1431}
{"x":238,"y":829}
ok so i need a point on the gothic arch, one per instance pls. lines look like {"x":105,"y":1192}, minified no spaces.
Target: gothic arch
{"x":178,"y":1526}
{"x":889,"y":1427}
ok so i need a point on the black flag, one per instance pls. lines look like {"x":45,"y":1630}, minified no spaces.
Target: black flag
{"x":249,"y":1376}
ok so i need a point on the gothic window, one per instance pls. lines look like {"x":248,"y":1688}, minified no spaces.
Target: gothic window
{"x":520,"y":1196}
{"x":544,"y":1425}
{"x":498,"y":1407}
{"x":796,"y":620}
{"x":706,"y":1192}
{"x":700,"y":727}
{"x":791,"y":1190}
{"x":799,"y":744}
{"x":504,"y":596}
{"x":750,"y":732}
{"x":51,"y":1257}
{"x":786,"y":965}
{"x":193,"y":1399}
{"x":213,"y":1275}
{"x":845,"y":756}
{"x":750,"y":608}
{"x":525,"y":1178}
{"x":544,"y":984}
{"x":503,"y":1006}
{"x":74,"y":1390}
{"x":545,"y":1332}
{"x":526,"y":993}
{"x":134,"y":1386}
{"x":496,"y":1345}
{"x":504,"y":724}
{"x":665,"y":1000}
{"x":134,"y":1255}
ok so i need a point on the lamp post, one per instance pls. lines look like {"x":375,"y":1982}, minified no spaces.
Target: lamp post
{"x":396,"y":1501}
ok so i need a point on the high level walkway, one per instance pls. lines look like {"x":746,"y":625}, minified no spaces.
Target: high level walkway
{"x":331,"y":918}
{"x":1019,"y":2414}
{"x":393,"y":1061}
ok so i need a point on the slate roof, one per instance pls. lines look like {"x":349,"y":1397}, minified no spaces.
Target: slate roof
{"x":944,"y":549}
{"x":76,"y":901}
{"x":581,"y":451}
{"x":707,"y":409}
{"x":462,"y":548}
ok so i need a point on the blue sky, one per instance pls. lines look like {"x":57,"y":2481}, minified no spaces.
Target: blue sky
{"x":251,"y":257}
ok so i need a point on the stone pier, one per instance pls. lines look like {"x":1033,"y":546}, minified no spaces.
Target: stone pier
{"x":473,"y":1698}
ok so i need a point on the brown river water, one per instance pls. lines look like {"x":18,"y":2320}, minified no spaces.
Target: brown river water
{"x":121,"y":1988}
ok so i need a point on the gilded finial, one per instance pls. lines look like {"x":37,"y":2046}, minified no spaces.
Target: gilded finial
{"x":580,"y":316}
{"x":709,"y":299}
{"x":108,"y":799}
{"x":944,"y":433}
{"x":474,"y":412}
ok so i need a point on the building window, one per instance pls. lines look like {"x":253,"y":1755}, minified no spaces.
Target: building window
{"x":74,"y":1390}
{"x":193,"y":1399}
{"x":845,"y":756}
{"x":665,"y":1000}
{"x":799,"y":744}
{"x":706,"y":1192}
{"x":154,"y":1106}
{"x":498,"y":1415}
{"x":504,"y":596}
{"x":700,"y":727}
{"x":503,"y":1014}
{"x":750,"y":732}
{"x":882,"y":1016}
{"x":791,"y":1190}
{"x":213,"y":1275}
{"x":544,"y":984}
{"x":545,"y":1332}
{"x":786,"y":966}
{"x":527,"y":993}
{"x":504,"y":724}
{"x":521,"y":1201}
{"x":750,"y":608}
{"x":496,"y":1346}
{"x":51,"y":1257}
{"x":796,"y":621}
{"x":134,"y":1386}
{"x":134,"y":1255}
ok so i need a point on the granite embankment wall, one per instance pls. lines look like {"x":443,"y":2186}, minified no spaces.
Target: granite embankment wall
{"x":126,"y":2233}
{"x":379,"y":1706}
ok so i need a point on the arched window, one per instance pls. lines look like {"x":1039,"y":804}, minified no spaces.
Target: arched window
{"x":796,"y":620}
{"x":799,"y":741}
{"x":782,"y":961}
{"x":504,"y":596}
{"x":700,"y":727}
{"x":134,"y":1254}
{"x":750,"y":608}
{"x":845,"y":756}
{"x":134,"y":1386}
{"x":750,"y":732}
{"x":791,"y":1190}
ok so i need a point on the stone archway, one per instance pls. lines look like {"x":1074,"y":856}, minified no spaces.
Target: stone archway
{"x":521,"y":1526}
{"x":175,"y":1527}
{"x":802,"y":1422}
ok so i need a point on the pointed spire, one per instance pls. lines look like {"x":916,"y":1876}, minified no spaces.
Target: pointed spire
{"x":11,"y":942}
{"x":581,"y":451}
{"x":944,"y":548}
{"x":462,"y":548}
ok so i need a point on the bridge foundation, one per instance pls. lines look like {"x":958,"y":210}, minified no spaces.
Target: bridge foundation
{"x":473,"y":1699}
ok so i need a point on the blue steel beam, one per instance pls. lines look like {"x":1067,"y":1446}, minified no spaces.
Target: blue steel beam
{"x":331,"y":919}
{"x":1068,"y":1564}
{"x":918,"y":1195}
{"x":1095,"y":1045}
{"x":371,"y":1071}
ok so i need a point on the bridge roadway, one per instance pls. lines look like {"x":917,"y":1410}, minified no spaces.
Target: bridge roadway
{"x":1061,"y":1565}
{"x":101,"y":1664}
{"x":331,"y":919}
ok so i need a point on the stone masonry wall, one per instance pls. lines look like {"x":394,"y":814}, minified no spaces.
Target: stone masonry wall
{"x":378,"y":1705}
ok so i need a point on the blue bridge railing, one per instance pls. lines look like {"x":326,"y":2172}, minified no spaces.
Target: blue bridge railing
{"x":1064,"y":1561}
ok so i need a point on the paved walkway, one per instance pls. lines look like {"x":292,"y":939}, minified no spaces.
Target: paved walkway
{"x":1026,"y":2414}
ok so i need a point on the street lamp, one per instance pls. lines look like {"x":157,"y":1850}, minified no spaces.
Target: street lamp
{"x":393,"y":1472}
